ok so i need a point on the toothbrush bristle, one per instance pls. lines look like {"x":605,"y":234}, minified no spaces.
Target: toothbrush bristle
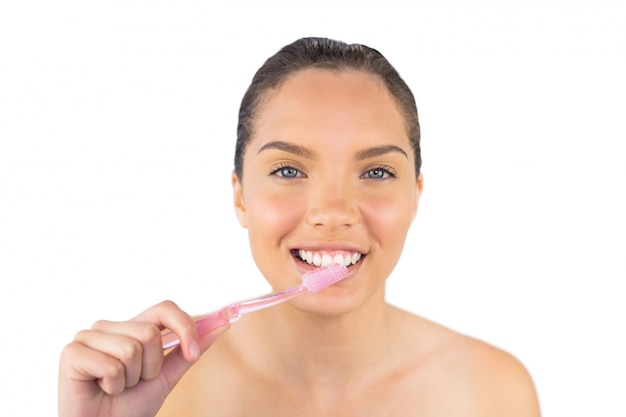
{"x":321,"y":278}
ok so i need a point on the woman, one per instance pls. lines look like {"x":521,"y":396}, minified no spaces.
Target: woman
{"x":327,"y":166}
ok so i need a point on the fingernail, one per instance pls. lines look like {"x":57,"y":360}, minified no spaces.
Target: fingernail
{"x":194,"y":351}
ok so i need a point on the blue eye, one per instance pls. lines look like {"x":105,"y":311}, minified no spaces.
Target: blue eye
{"x":286,"y":172}
{"x":378,"y":173}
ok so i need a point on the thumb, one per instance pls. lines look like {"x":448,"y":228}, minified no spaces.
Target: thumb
{"x":175,"y":365}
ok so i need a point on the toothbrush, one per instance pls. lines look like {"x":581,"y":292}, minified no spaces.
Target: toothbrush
{"x":312,"y":282}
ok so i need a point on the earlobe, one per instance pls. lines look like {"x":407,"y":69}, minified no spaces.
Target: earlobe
{"x":238,"y":200}
{"x":418,"y":193}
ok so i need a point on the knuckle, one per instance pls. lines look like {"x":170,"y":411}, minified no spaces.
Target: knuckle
{"x":188,"y":326}
{"x":113,"y":369}
{"x":81,"y":336}
{"x":150,"y":333}
{"x":100,"y":324}
{"x":168,"y":305}
{"x":69,"y":351}
{"x":131,"y":351}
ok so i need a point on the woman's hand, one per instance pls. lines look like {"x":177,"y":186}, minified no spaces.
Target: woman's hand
{"x":118,"y":369}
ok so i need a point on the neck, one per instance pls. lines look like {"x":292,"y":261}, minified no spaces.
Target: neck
{"x":323,"y":351}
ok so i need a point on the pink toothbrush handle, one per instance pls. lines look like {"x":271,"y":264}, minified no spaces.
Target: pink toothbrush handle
{"x":204,"y":325}
{"x":313,"y":281}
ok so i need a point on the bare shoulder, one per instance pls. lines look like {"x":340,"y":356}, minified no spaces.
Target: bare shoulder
{"x":501,"y":384}
{"x":469,"y":376}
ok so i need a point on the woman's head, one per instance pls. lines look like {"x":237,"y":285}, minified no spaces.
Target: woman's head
{"x":329,"y":170}
{"x":329,"y":54}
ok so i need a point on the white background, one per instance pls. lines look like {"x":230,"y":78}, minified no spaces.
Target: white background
{"x":117,"y":130}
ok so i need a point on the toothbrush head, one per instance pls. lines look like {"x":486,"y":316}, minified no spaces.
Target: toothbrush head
{"x":321,"y":278}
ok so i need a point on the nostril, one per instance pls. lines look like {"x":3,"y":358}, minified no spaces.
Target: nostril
{"x":333,"y":217}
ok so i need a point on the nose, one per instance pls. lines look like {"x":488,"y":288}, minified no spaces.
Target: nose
{"x":332,"y":206}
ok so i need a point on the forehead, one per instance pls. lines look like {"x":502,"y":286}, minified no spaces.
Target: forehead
{"x":323,"y":102}
{"x":317,"y":85}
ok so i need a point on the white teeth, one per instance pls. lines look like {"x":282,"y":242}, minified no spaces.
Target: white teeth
{"x":329,"y":258}
{"x":317,"y":260}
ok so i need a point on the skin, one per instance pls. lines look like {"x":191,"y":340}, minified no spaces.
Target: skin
{"x":329,"y":168}
{"x":118,"y":368}
{"x":334,"y":202}
{"x":312,"y":180}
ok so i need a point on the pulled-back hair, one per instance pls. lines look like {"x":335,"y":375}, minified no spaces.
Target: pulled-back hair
{"x":328,"y":54}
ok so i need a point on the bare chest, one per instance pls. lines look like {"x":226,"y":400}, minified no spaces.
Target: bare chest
{"x":244,"y":395}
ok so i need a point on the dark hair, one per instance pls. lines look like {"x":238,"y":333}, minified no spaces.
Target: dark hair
{"x":330,"y":54}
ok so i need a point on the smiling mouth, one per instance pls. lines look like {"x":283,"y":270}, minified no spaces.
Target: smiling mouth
{"x":326,"y":258}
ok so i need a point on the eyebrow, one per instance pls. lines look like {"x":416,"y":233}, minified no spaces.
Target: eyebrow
{"x":288,"y":147}
{"x":305,"y":152}
{"x":378,"y":151}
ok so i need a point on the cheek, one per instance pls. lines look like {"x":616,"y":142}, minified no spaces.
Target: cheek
{"x":271,"y":216}
{"x":388,"y":219}
{"x":270,"y":220}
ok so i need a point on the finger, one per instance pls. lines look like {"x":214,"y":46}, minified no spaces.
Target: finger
{"x":168,"y":315}
{"x":175,"y":364}
{"x":80,"y":363}
{"x":127,"y":350}
{"x":146,"y":343}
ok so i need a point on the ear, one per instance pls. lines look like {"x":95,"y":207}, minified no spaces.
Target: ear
{"x":238,"y":200}
{"x":418,"y":193}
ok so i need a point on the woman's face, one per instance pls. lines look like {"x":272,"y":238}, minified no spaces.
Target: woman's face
{"x":328,"y":177}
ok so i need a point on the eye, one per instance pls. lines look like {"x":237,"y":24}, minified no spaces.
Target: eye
{"x":379,"y":173}
{"x":286,"y":171}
